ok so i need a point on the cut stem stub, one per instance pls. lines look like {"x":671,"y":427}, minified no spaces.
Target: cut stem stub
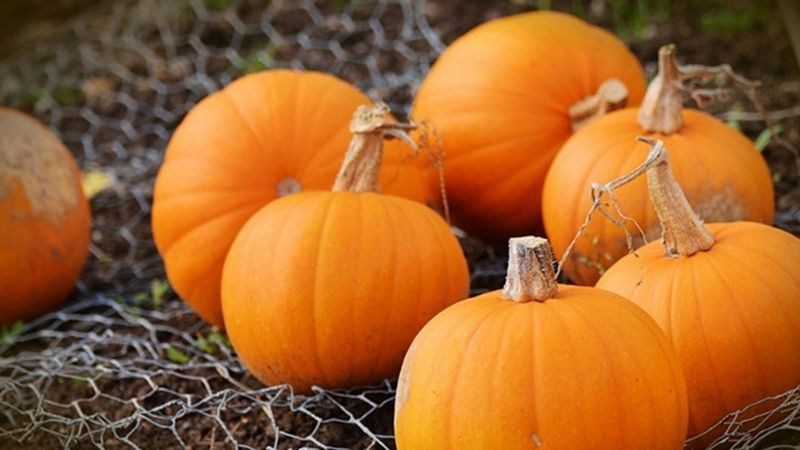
{"x":610,"y":96}
{"x":362,"y":163}
{"x":662,"y":107}
{"x":531,"y":270}
{"x":663,"y":101}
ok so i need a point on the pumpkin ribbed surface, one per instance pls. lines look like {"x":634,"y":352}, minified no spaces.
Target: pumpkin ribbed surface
{"x":722,"y":174}
{"x":732,"y":313}
{"x":582,"y":370}
{"x":500,"y":96}
{"x":265,"y":135}
{"x":720,"y":171}
{"x":329,"y":288}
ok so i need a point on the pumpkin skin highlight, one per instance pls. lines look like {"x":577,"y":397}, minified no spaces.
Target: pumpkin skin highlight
{"x":499,"y":97}
{"x":723,"y":175}
{"x":265,"y":135}
{"x":489,"y":373}
{"x":731,"y":312}
{"x":44,"y":219}
{"x":329,"y":288}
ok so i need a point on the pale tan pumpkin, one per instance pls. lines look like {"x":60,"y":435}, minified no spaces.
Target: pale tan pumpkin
{"x":723,"y":174}
{"x":44,"y":219}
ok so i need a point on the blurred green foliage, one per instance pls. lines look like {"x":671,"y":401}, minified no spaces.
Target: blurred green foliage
{"x":177,"y":356}
{"x":732,"y":122}
{"x":257,"y":60}
{"x":252,"y":63}
{"x":32,"y":96}
{"x":63,"y":95}
{"x":630,"y":19}
{"x":158,"y":291}
{"x":205,"y":346}
{"x":216,"y":5}
{"x":220,"y":339}
{"x":765,"y":137}
{"x":732,"y":19}
{"x":80,"y":383}
{"x":212,"y":342}
{"x":10,"y":331}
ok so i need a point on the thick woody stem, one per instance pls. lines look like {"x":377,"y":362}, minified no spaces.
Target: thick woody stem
{"x":657,"y":155}
{"x":610,"y":96}
{"x":531,"y":270}
{"x":362,"y":162}
{"x":663,"y":101}
{"x":662,"y":107}
{"x":683,"y":233}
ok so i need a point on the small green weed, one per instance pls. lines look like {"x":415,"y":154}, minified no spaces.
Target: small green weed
{"x":11,"y":331}
{"x":176,"y":355}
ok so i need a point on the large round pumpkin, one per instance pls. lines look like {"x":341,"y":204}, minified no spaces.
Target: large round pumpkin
{"x":44,"y":219}
{"x":728,"y":297}
{"x":329,"y":288}
{"x":504,"y":98}
{"x":722,"y":173}
{"x":262,"y":137}
{"x":540,"y":366}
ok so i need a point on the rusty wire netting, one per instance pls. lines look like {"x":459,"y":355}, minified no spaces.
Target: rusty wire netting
{"x":125,"y":366}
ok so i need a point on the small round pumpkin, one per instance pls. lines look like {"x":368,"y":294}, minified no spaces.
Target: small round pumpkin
{"x":44,"y":219}
{"x":504,"y":98}
{"x":728,"y":297}
{"x":329,"y":288}
{"x":264,"y":136}
{"x":540,"y":365}
{"x":723,"y":174}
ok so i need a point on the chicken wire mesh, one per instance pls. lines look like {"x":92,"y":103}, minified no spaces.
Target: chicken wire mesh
{"x":126,"y":365}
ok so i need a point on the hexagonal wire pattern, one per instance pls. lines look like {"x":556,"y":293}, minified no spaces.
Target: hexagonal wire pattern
{"x":116,"y":369}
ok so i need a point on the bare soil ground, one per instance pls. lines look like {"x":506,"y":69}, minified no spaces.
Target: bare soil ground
{"x":758,"y":49}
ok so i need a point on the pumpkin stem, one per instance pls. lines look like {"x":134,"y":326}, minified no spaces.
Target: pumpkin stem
{"x":683,"y":233}
{"x":362,"y":162}
{"x":531,"y":270}
{"x":598,"y":190}
{"x":662,"y":107}
{"x":610,"y":96}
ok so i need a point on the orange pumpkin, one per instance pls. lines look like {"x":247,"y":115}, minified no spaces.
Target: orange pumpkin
{"x":504,"y":98}
{"x":329,"y":288}
{"x":540,"y":365}
{"x":44,"y":219}
{"x":723,"y":175}
{"x":264,"y":136}
{"x":726,"y":294}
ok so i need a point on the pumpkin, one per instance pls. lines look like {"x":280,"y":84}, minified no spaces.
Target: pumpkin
{"x":44,"y":219}
{"x":726,"y":294}
{"x":504,"y":98}
{"x":329,"y":288}
{"x":264,"y":136}
{"x":723,"y":174}
{"x":540,"y":365}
